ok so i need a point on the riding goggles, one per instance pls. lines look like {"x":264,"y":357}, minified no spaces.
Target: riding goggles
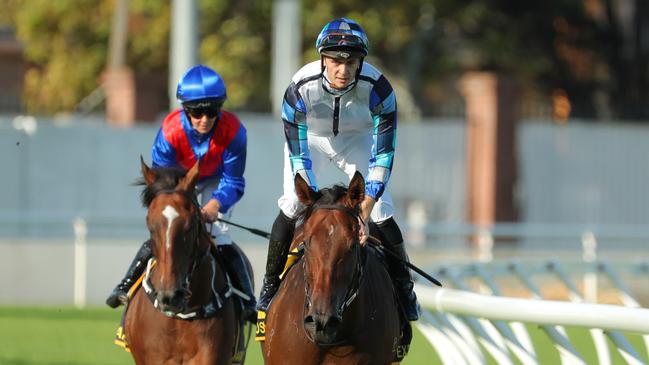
{"x":210,"y":109}
{"x":199,"y":112}
{"x":343,"y":41}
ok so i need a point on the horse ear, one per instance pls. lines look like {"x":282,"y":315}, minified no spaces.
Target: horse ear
{"x":188,"y":183}
{"x":304,"y":193}
{"x":147,"y":173}
{"x":356,"y":190}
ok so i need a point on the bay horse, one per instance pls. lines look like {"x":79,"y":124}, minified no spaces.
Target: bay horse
{"x":336,"y":305}
{"x":186,"y":313}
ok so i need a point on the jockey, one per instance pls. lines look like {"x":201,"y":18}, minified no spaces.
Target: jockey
{"x":201,"y":130}
{"x":342,"y":110}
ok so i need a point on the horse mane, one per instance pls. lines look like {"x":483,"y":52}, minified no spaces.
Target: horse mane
{"x":167,"y":178}
{"x":327,"y":196}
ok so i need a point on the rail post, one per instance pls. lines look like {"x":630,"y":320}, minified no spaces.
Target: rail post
{"x":80,"y":262}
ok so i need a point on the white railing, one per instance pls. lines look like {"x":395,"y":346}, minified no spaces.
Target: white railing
{"x":457,"y":320}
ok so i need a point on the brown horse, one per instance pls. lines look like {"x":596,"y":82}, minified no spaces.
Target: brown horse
{"x":185,"y":314}
{"x":336,"y":305}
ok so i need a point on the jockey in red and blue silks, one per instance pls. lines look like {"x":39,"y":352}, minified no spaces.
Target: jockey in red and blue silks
{"x":201,"y":130}
{"x":222,"y":152}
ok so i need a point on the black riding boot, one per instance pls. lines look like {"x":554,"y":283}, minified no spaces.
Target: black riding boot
{"x":393,"y":240}
{"x":120,"y":293}
{"x":278,"y":245}
{"x":237,"y":265}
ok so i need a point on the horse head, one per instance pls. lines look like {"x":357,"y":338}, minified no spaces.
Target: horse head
{"x":332,"y":256}
{"x":174,"y":222}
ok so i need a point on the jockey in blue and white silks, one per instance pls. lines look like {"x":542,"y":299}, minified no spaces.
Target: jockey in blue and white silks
{"x":354,"y":128}
{"x":340,"y":110}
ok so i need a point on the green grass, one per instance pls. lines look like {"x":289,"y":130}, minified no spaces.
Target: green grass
{"x":58,"y":336}
{"x":67,"y":336}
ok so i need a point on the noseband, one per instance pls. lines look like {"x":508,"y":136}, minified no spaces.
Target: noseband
{"x":352,"y":290}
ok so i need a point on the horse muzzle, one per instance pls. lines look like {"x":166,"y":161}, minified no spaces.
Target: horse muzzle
{"x":173,"y":301}
{"x":322,"y":328}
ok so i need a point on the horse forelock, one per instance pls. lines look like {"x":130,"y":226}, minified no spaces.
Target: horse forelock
{"x":167,"y":178}
{"x":328,"y":196}
{"x":334,"y":212}
{"x":166,"y":181}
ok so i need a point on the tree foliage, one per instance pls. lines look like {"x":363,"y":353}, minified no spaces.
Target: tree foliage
{"x":591,"y":49}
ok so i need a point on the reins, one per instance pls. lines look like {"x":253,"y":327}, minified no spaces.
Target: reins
{"x":375,"y":242}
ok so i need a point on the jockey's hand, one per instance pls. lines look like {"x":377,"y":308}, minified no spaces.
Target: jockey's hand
{"x":210,"y":211}
{"x":363,"y":231}
{"x":364,"y":218}
{"x":366,"y":208}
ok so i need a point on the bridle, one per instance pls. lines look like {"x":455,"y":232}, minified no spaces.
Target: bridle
{"x":359,"y":268}
{"x":195,"y":230}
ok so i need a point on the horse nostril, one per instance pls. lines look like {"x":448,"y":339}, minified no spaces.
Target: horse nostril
{"x":163,"y":299}
{"x":322,"y":322}
{"x":333,"y":322}
{"x":175,"y":299}
{"x":179,"y":296}
{"x":309,"y":320}
{"x":313,"y":323}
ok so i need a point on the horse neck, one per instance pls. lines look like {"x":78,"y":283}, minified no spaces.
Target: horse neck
{"x":374,"y":286}
{"x":208,"y":275}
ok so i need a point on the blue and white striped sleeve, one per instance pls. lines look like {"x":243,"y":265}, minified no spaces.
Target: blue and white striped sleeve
{"x":295,"y":131}
{"x":383,"y":107}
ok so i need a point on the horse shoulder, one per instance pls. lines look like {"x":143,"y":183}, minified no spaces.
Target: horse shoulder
{"x":289,"y":298}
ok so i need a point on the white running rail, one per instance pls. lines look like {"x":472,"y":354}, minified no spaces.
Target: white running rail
{"x":457,"y":321}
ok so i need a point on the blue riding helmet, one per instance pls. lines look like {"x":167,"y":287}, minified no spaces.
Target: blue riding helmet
{"x":200,"y":82}
{"x":342,"y":38}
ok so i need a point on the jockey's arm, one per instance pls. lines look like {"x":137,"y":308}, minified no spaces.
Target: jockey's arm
{"x":383,"y":107}
{"x":295,"y":130}
{"x":232,"y":183}
{"x":163,"y":153}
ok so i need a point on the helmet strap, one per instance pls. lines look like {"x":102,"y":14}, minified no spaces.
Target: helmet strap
{"x":360,"y":68}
